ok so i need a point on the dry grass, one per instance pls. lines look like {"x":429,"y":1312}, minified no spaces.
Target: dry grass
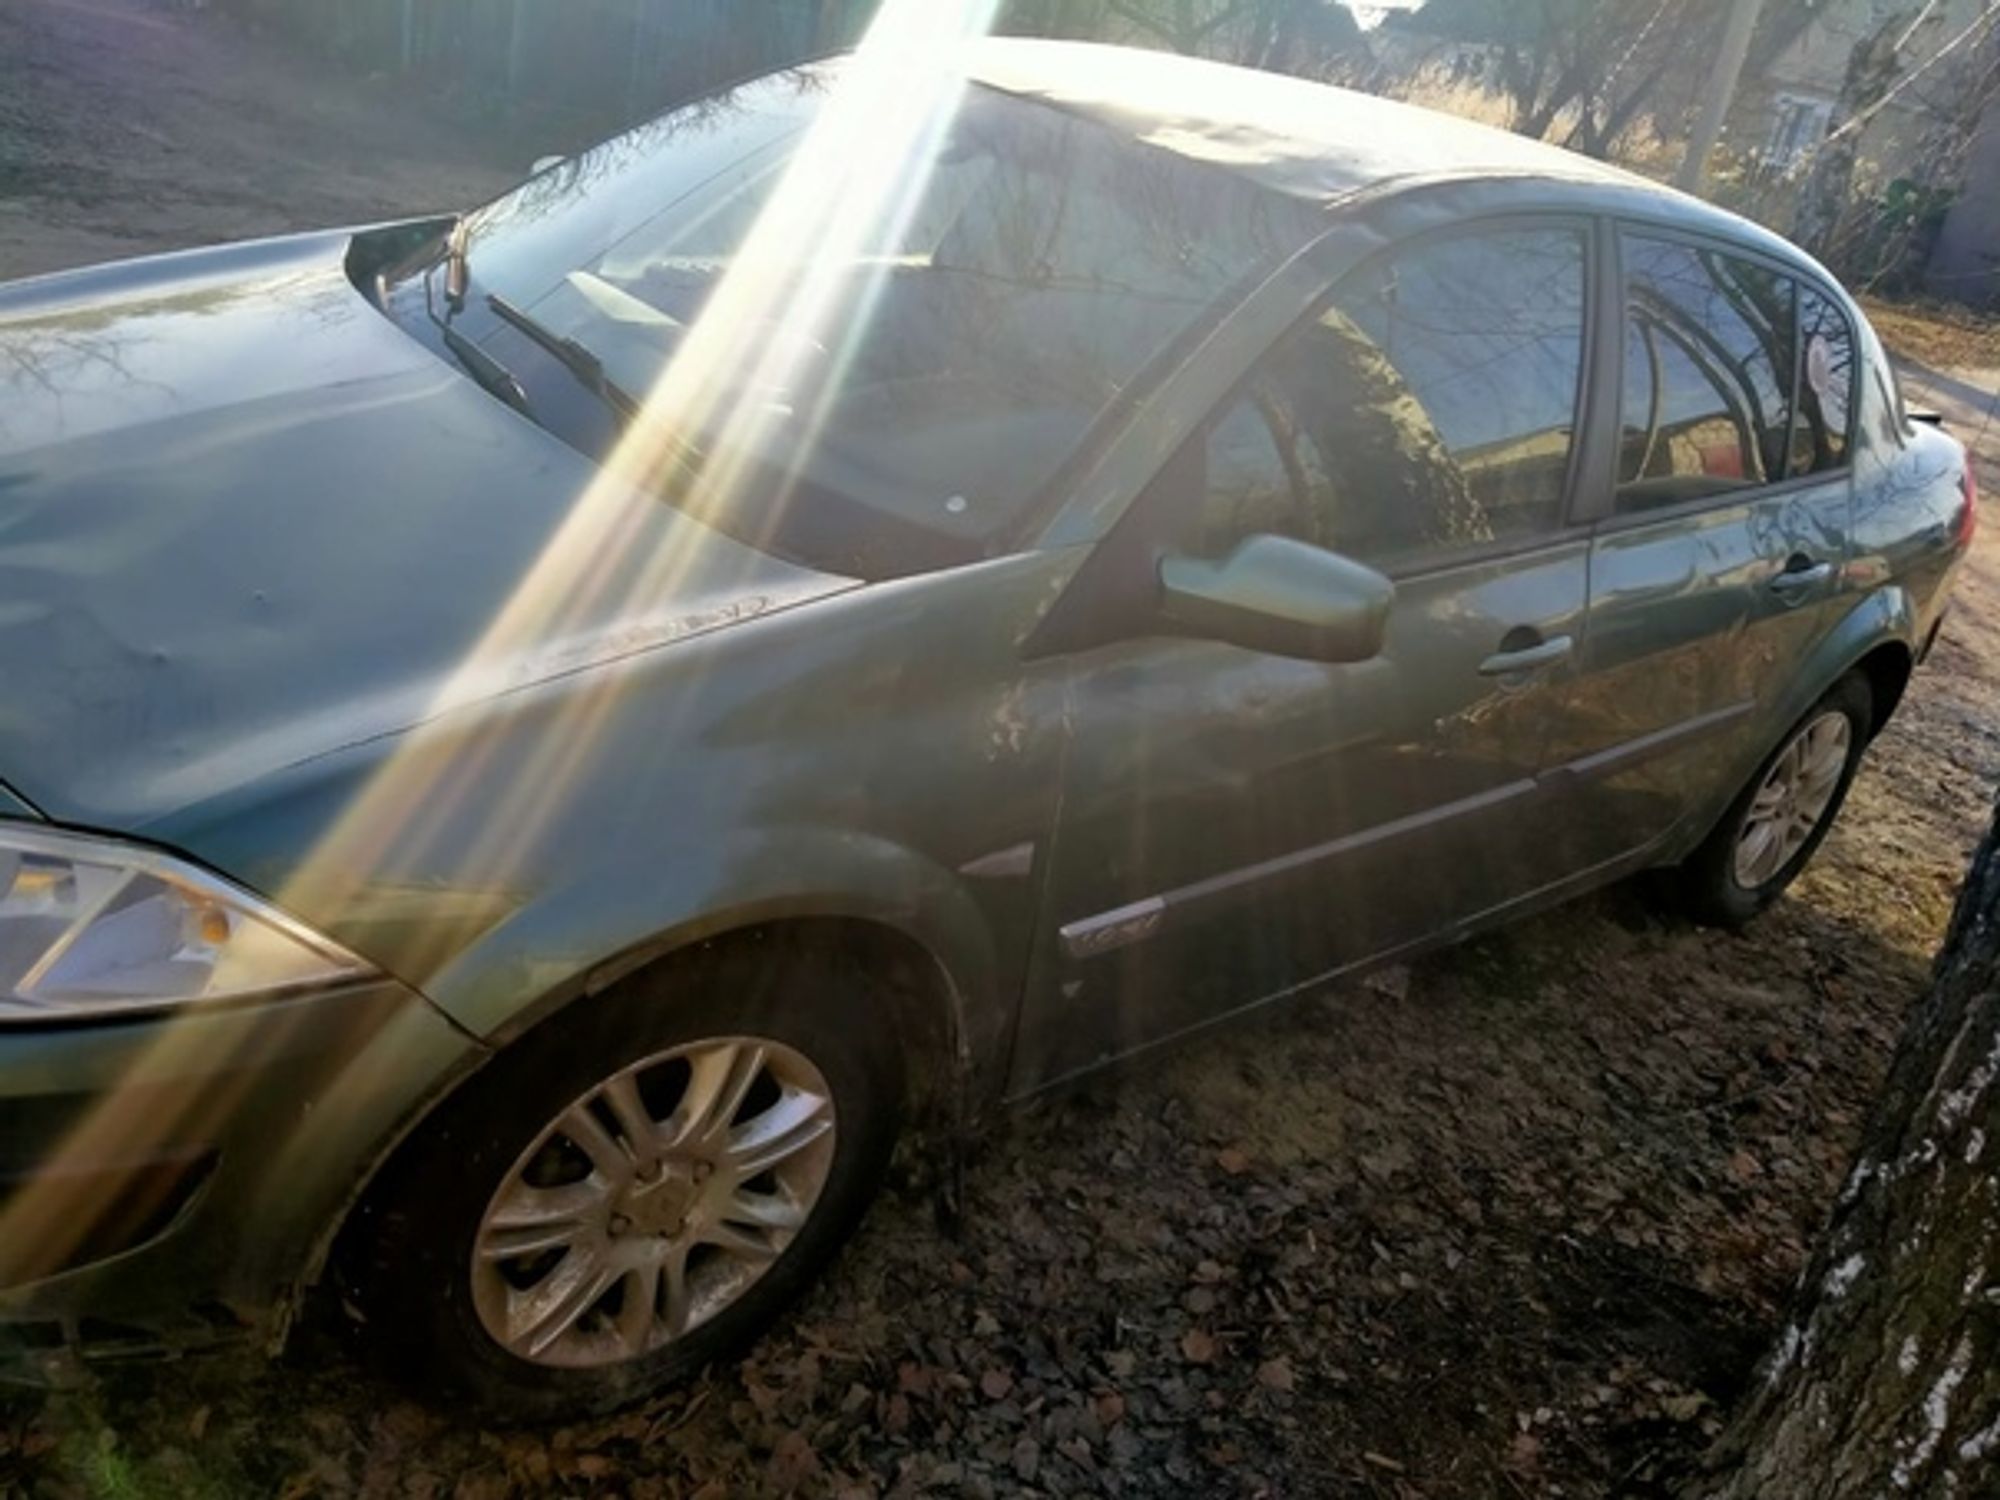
{"x":1937,"y":334}
{"x":1471,"y":101}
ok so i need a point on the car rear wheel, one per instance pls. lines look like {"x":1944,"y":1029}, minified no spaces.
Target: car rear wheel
{"x":635,"y":1189}
{"x":1779,"y":818}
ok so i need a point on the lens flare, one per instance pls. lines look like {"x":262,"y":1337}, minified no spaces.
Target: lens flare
{"x":797,"y":289}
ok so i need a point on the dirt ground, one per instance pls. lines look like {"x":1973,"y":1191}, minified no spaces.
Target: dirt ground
{"x":128,"y":127}
{"x":1517,"y":1221}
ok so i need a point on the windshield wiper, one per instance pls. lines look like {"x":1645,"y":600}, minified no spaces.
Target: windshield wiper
{"x":455,"y":267}
{"x":586,"y":367}
{"x":491,"y":375}
{"x":488,"y":371}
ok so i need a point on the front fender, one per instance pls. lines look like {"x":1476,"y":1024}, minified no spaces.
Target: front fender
{"x":585,"y":934}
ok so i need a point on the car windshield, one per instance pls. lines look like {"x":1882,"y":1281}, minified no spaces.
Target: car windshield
{"x":873,"y":367}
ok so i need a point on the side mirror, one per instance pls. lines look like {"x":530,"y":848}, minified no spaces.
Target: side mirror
{"x":1285,"y":597}
{"x":543,"y":163}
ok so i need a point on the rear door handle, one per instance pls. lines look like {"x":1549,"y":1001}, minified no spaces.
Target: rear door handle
{"x":1799,"y":580}
{"x":1527,"y":658}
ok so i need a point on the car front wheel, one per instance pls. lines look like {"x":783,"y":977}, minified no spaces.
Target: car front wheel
{"x":634,"y":1189}
{"x":1780,"y":817}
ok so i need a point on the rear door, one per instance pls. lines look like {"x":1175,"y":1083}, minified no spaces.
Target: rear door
{"x":1722,"y":559}
{"x":1235,"y":822}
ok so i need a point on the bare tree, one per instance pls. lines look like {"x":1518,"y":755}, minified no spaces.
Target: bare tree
{"x":1308,"y":37}
{"x":1583,"y":71}
{"x":1872,"y":70}
{"x":1958,"y":95}
{"x":1887,"y":1378}
{"x":1876,"y":235}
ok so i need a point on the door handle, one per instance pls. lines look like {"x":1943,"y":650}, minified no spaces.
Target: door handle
{"x":1527,"y":658}
{"x":1799,"y":580}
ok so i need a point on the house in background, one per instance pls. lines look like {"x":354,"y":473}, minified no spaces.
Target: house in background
{"x":1789,"y":99}
{"x":1790,"y":93}
{"x":1966,"y":263}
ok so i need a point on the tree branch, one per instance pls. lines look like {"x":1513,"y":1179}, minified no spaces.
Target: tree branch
{"x":1145,"y":22}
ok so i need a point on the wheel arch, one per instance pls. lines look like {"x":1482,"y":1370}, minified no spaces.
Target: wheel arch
{"x":914,"y":927}
{"x":580,"y":939}
{"x":919,"y":999}
{"x":1887,"y":667}
{"x":1877,"y":637}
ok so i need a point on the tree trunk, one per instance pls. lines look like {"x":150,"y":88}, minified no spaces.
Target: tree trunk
{"x":1959,"y":105}
{"x":1886,"y":1381}
{"x":1871,"y":72}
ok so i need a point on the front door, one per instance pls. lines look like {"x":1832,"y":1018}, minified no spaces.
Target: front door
{"x":1235,"y":822}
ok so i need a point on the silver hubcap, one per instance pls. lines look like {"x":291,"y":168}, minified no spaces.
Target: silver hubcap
{"x":653,"y":1202}
{"x":1792,"y":800}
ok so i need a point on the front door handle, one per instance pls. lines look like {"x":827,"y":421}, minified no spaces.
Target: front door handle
{"x":1527,"y":658}
{"x":1800,"y":577}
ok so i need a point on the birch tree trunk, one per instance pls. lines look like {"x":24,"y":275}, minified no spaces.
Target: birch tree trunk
{"x":1887,"y":1379}
{"x":1872,"y":69}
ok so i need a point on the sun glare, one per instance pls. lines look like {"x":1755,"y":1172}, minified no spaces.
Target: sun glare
{"x":799,"y":290}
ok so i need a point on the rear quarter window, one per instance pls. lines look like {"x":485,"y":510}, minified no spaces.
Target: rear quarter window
{"x":1825,"y":410}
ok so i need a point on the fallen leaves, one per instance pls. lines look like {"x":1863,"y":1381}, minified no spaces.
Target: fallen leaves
{"x":793,"y":1463}
{"x":1198,"y":1347}
{"x":1276,"y":1375}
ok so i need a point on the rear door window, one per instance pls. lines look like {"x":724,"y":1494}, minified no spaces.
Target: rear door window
{"x":1710,"y":350}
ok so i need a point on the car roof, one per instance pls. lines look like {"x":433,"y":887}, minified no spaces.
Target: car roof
{"x":1290,"y":135}
{"x":1320,"y":144}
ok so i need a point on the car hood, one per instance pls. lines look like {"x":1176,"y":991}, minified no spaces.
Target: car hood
{"x":246,"y":521}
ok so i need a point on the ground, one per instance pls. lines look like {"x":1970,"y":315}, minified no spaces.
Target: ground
{"x":1514,"y":1222}
{"x":127,"y":127}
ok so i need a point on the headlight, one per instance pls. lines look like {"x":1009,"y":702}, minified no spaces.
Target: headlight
{"x":89,"y":926}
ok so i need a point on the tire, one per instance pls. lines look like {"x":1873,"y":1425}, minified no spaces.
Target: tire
{"x":419,"y":1257}
{"x":1713,"y":885}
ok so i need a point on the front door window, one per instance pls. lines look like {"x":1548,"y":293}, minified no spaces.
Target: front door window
{"x":1429,"y":408}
